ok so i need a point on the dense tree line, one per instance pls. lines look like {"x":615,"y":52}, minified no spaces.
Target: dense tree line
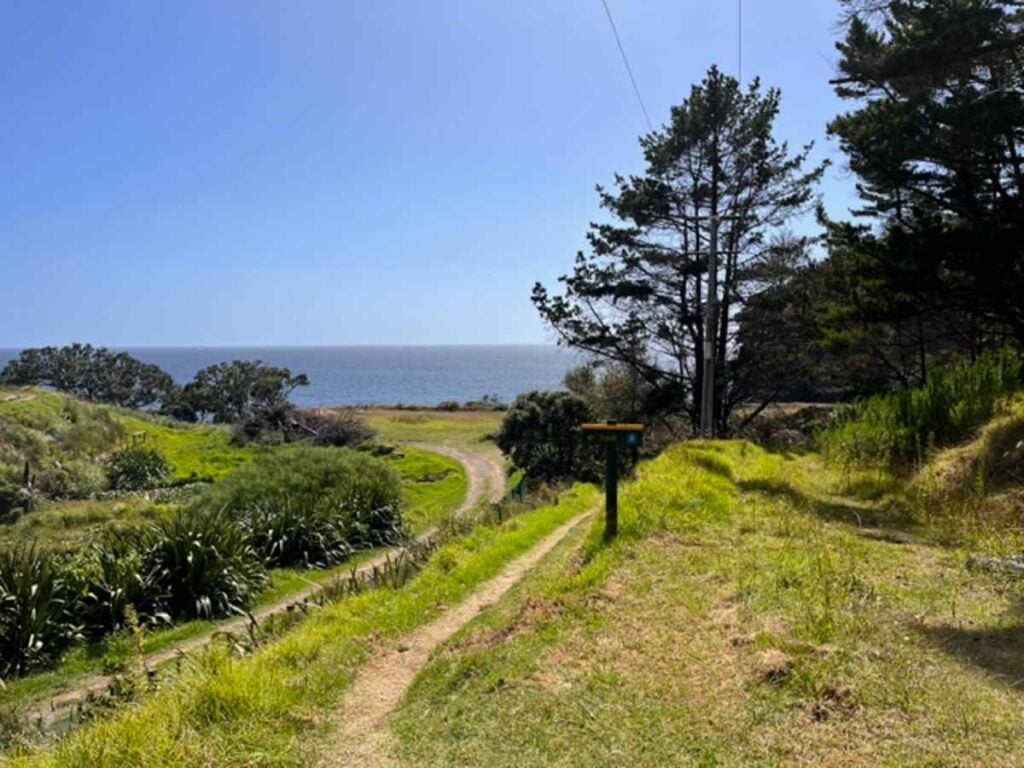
{"x":928,"y":273}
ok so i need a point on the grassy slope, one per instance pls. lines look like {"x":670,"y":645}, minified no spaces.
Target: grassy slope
{"x":748,"y":615}
{"x":262,"y":710}
{"x":433,"y":485}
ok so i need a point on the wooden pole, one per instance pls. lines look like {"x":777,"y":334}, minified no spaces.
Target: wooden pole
{"x":611,"y":490}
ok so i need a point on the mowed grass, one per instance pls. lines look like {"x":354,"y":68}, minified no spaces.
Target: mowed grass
{"x":269,"y":709}
{"x":465,"y":428}
{"x":750,"y":613}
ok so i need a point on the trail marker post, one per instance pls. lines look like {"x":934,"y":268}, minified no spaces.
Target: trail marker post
{"x":614,"y":436}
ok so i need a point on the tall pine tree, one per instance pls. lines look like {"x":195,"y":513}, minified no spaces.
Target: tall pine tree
{"x":637,"y":298}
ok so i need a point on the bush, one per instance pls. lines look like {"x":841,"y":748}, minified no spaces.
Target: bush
{"x":37,"y":606}
{"x":14,"y":501}
{"x":311,"y":505}
{"x":540,"y":433}
{"x":137,"y":468}
{"x":901,"y":428}
{"x":340,"y":428}
{"x":204,"y":564}
{"x":118,"y":574}
{"x":285,"y":534}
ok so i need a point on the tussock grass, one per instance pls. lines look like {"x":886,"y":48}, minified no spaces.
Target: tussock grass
{"x":752,"y":612}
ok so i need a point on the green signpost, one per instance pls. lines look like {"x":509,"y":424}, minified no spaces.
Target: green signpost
{"x":614,"y":436}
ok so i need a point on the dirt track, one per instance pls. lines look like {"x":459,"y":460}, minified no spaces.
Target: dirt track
{"x":362,"y":720}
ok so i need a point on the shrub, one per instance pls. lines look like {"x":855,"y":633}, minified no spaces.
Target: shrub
{"x":204,"y":563}
{"x":341,"y":428}
{"x":137,"y":468}
{"x":118,"y":574}
{"x":540,"y":433}
{"x":37,"y":606}
{"x":285,"y":534}
{"x":14,"y":501}
{"x":310,"y":505}
{"x":900,"y":428}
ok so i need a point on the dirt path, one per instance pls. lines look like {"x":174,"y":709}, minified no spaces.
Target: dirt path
{"x":362,"y":721}
{"x":485,"y":482}
{"x":484,"y":473}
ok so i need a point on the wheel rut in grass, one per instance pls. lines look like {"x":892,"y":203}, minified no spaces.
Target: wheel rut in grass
{"x":485,"y":483}
{"x":363,"y":730}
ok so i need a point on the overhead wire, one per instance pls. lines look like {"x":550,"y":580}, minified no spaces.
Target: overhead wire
{"x":629,"y":69}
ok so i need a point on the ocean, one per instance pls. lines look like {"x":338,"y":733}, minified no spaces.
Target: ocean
{"x":393,"y":375}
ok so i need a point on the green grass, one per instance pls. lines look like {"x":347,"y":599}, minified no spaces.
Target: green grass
{"x":267,"y":709}
{"x":69,"y":524}
{"x":467,"y":428}
{"x":432,"y":486}
{"x":195,"y":452}
{"x":749,"y":614}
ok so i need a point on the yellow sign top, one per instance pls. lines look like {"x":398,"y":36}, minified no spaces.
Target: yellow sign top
{"x":612,"y":427}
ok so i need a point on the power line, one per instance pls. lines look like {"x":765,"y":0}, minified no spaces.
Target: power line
{"x":629,"y":69}
{"x":739,"y":41}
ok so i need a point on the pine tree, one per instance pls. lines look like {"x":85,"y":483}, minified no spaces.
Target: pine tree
{"x":637,"y":298}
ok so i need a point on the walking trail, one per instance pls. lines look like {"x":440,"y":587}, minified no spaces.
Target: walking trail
{"x":362,"y":721}
{"x":485,"y":482}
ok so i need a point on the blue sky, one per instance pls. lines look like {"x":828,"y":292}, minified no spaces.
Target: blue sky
{"x":219,"y":172}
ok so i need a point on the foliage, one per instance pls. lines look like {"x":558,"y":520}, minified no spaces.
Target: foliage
{"x":901,"y":428}
{"x":613,"y":391}
{"x":637,"y":299}
{"x":231,"y":711}
{"x":119,"y":577}
{"x":204,"y":563}
{"x":14,"y":501}
{"x":95,"y":373}
{"x":311,"y":506}
{"x":37,"y":609}
{"x":231,"y":393}
{"x":284,"y":423}
{"x":937,"y":92}
{"x":541,"y":435}
{"x":136,"y":468}
{"x":304,"y":477}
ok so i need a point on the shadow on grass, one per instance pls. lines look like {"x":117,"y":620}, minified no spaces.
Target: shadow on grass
{"x":832,"y":509}
{"x":713,"y":465}
{"x":998,"y":652}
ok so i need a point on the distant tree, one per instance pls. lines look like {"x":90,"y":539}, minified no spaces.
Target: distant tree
{"x":937,"y":141}
{"x":95,"y":373}
{"x":637,"y":299}
{"x":236,"y":392}
{"x":540,"y":434}
{"x":612,"y":390}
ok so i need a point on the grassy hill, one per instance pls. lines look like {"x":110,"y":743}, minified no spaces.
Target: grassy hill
{"x":758,"y":608}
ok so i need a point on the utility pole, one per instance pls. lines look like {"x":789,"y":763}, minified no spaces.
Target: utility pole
{"x":707,"y":390}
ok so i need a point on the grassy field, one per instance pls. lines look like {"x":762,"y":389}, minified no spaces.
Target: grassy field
{"x":464,"y":428}
{"x":754,"y":611}
{"x":267,"y":709}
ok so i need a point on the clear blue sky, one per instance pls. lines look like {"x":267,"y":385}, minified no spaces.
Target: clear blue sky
{"x":252,"y":172}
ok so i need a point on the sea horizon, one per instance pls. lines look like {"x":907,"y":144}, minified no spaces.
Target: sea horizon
{"x":379,"y":374}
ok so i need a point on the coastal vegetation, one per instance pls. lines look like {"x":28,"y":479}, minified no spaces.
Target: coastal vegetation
{"x":850,"y":597}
